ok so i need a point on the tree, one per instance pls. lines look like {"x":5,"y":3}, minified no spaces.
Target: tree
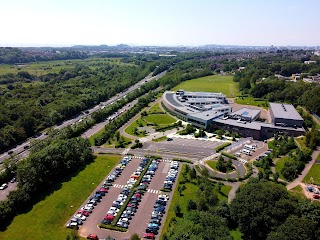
{"x":258,"y":207}
{"x":177,"y":210}
{"x":191,"y":205}
{"x":295,"y":228}
{"x":192,"y":173}
{"x":135,"y":237}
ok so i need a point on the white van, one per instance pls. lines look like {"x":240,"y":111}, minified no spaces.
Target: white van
{"x":246,"y":151}
{"x":249,"y":147}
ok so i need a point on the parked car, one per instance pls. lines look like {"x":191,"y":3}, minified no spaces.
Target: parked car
{"x":93,"y":237}
{"x":3,"y":186}
{"x":148,"y":235}
{"x":73,"y":225}
{"x":152,"y":230}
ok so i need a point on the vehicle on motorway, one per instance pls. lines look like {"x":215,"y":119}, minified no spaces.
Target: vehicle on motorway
{"x":93,"y":236}
{"x":169,"y":139}
{"x":3,"y":186}
{"x":26,"y":146}
{"x":10,"y":152}
{"x":148,"y":235}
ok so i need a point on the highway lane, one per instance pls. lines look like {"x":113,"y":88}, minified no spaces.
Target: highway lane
{"x":20,"y":149}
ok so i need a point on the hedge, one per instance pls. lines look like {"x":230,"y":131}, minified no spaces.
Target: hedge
{"x":182,"y":160}
{"x":229,"y":155}
{"x":115,"y":228}
{"x":218,"y":149}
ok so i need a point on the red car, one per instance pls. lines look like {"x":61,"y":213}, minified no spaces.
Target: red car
{"x":109,"y":217}
{"x":316,"y":196}
{"x":103,"y":190}
{"x":148,"y":235}
{"x":138,"y":195}
{"x":92,"y":236}
{"x":84,"y":213}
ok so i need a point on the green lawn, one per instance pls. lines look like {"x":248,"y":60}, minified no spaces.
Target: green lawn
{"x":213,"y":165}
{"x":252,"y":101}
{"x":314,"y":173}
{"x":189,"y":193}
{"x":280,"y":165}
{"x":214,"y":83}
{"x":163,"y":138}
{"x":160,"y":119}
{"x":129,"y":129}
{"x":155,"y":108}
{"x":297,"y":192}
{"x":113,"y":142}
{"x":47,"y":218}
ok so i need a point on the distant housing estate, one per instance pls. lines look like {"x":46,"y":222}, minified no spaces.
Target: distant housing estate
{"x":208,"y":110}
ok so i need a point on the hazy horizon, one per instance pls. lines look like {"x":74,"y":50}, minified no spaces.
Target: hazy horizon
{"x":58,"y":23}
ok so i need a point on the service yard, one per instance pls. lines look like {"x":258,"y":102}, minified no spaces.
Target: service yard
{"x":141,"y":218}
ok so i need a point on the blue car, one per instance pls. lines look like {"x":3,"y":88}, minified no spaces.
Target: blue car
{"x":160,"y":209}
{"x":153,"y":225}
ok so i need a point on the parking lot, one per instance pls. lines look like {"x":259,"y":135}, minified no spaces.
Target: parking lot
{"x":183,"y":145}
{"x":140,"y":220}
{"x":260,"y":149}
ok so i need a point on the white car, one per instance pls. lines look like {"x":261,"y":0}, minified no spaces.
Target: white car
{"x":126,"y":220}
{"x":112,"y":213}
{"x":114,"y":209}
{"x":122,"y":196}
{"x":90,"y":205}
{"x":118,"y":202}
{"x":3,"y":186}
{"x":79,"y":216}
{"x":85,"y":208}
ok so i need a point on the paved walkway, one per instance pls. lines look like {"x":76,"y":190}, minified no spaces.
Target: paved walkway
{"x":305,"y":171}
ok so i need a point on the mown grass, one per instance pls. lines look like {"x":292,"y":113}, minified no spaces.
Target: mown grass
{"x":47,"y":218}
{"x":213,"y":165}
{"x":252,"y":101}
{"x":113,"y":142}
{"x":314,"y":173}
{"x":163,"y":138}
{"x":297,"y":192}
{"x":189,"y":193}
{"x":280,"y":165}
{"x":159,"y":119}
{"x":132,"y":126}
{"x":155,"y":108}
{"x":214,"y":83}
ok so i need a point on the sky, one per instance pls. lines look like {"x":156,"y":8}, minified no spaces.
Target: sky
{"x":159,"y":22}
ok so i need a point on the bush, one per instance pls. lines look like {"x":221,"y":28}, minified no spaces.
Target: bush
{"x":218,"y":149}
{"x":115,"y":228}
{"x":229,"y":156}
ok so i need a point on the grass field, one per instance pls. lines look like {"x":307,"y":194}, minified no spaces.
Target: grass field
{"x":214,"y":83}
{"x":159,"y":119}
{"x":135,"y":124}
{"x":113,"y":142}
{"x":314,"y":173}
{"x":47,"y":218}
{"x":189,"y":193}
{"x":41,"y":68}
{"x":297,"y":192}
{"x":155,"y":108}
{"x":252,"y":101}
{"x":280,"y":165}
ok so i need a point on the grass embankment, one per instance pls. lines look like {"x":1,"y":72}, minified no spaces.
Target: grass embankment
{"x":252,"y":101}
{"x":47,"y":218}
{"x":110,"y":144}
{"x":280,"y":165}
{"x":314,"y":173}
{"x":214,"y":83}
{"x":160,"y":139}
{"x":189,"y":193}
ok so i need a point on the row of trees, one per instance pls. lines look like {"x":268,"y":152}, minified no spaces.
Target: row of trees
{"x":42,"y":170}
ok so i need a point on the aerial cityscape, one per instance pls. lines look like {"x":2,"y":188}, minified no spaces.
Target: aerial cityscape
{"x":169,"y":120}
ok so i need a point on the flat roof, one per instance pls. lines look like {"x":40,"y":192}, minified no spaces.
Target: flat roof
{"x":205,"y":115}
{"x":285,"y":111}
{"x":204,"y":94}
{"x":247,"y":112}
{"x":171,"y":99}
{"x":200,"y":100}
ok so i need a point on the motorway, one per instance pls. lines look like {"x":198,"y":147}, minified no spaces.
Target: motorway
{"x":21,"y":148}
